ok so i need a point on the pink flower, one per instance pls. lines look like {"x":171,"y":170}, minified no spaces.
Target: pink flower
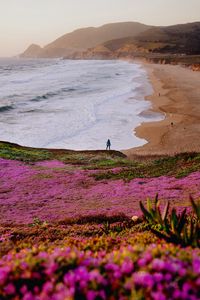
{"x":69,"y":279}
{"x":158,"y":277}
{"x":29,"y":296}
{"x":52,"y":267}
{"x":9,"y":289}
{"x":143,"y":279}
{"x":158,"y":264}
{"x":94,"y":275}
{"x":196,"y":265}
{"x":158,"y":296}
{"x":4,"y":271}
{"x":91,"y":295}
{"x":47,"y":287}
{"x":127,"y":267}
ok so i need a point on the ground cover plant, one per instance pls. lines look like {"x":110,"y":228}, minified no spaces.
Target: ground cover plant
{"x":74,"y":225}
{"x":157,"y":272}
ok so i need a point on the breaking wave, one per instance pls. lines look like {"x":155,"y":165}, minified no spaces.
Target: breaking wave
{"x":6,"y":108}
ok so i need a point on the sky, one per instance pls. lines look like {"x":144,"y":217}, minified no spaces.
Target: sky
{"x":23,"y":22}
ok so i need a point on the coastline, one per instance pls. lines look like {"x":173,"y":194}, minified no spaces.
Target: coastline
{"x":54,"y":110}
{"x":177,"y":95}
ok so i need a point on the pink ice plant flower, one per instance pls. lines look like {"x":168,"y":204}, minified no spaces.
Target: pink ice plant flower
{"x":51,"y":191}
{"x":117,"y":274}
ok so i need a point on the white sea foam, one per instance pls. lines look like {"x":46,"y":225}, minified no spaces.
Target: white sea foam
{"x":72,"y":104}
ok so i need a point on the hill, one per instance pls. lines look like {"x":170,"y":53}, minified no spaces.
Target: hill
{"x":32,"y":51}
{"x":171,"y":40}
{"x":122,"y":40}
{"x":177,"y":39}
{"x":85,"y":38}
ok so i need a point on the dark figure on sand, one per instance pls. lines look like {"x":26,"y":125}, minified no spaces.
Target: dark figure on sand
{"x":108,"y":144}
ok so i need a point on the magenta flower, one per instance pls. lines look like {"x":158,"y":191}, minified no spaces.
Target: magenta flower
{"x":10,"y":289}
{"x":53,"y":191}
{"x":4,"y":271}
{"x":196,"y":265}
{"x":143,"y":279}
{"x":158,"y":277}
{"x":158,"y":296}
{"x":127,"y":267}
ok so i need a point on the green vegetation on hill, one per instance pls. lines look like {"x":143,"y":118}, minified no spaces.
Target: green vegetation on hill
{"x":28,"y":154}
{"x":179,"y":165}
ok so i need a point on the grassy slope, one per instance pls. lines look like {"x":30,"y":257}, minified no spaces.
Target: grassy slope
{"x":142,"y":167}
{"x":27,"y":154}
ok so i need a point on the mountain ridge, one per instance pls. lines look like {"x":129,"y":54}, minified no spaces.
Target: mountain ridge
{"x":84,"y":38}
{"x":122,"y":39}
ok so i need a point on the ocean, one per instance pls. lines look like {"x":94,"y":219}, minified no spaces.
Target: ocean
{"x":73,"y":104}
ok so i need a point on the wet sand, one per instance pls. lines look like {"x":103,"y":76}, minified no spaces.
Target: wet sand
{"x":177,"y":96}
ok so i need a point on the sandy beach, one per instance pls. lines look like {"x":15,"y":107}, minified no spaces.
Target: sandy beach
{"x":177,"y":96}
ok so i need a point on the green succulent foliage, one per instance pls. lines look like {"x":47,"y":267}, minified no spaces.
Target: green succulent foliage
{"x":196,"y":207}
{"x":154,"y":215}
{"x":173,"y":227}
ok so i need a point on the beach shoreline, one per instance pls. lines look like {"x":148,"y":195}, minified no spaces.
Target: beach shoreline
{"x":177,"y":96}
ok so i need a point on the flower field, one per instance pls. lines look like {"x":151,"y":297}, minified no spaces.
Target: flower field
{"x":66,"y":227}
{"x":158,"y":272}
{"x":52,"y":190}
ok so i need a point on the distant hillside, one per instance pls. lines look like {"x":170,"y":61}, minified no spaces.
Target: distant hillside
{"x":171,"y":44}
{"x":32,"y":51}
{"x":85,"y":38}
{"x":122,"y":40}
{"x":182,"y":39}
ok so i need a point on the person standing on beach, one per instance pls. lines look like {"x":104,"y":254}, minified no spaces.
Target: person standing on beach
{"x":108,"y":144}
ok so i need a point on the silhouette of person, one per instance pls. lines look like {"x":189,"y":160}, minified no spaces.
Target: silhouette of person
{"x":108,"y":144}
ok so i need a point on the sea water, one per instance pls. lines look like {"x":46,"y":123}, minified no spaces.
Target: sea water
{"x":73,"y":104}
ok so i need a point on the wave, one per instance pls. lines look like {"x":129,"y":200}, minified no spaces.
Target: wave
{"x":52,"y":94}
{"x":40,"y":98}
{"x":31,"y":111}
{"x":68,"y":90}
{"x":6,"y":108}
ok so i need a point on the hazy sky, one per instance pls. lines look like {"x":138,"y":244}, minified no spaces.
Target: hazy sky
{"x":23,"y":22}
